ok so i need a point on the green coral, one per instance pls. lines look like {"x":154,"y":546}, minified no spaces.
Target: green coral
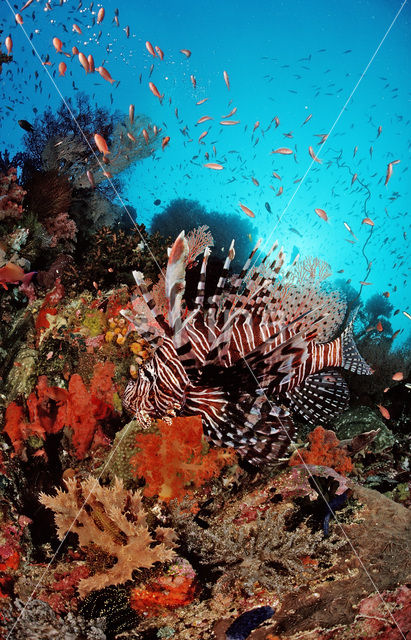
{"x":22,"y":377}
{"x":94,"y":321}
{"x":360,"y":420}
{"x":124,"y":446}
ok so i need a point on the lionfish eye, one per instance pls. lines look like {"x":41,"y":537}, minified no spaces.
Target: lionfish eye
{"x":149,"y":375}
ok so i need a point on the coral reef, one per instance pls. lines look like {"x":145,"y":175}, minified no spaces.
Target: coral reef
{"x":177,"y":458}
{"x":113,"y":520}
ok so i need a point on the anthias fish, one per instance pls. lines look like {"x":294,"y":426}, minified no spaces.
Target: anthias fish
{"x":262,"y":347}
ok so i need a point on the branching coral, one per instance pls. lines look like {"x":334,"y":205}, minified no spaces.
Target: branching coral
{"x":177,"y":458}
{"x":264,"y":552}
{"x":324,"y":450}
{"x":114,"y":520}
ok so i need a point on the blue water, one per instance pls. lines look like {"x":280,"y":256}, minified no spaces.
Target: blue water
{"x":340,"y":62}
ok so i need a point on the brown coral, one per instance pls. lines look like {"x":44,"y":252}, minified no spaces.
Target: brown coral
{"x":114,"y":520}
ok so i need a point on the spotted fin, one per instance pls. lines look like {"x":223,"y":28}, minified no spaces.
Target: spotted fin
{"x":351,"y":357}
{"x":321,"y":397}
{"x":259,"y":432}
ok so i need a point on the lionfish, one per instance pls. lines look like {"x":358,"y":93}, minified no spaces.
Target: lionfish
{"x":246,"y":358}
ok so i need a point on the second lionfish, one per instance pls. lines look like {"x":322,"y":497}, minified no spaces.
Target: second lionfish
{"x":258,"y":350}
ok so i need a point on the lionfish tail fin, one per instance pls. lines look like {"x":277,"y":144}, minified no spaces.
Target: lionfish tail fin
{"x":351,"y":357}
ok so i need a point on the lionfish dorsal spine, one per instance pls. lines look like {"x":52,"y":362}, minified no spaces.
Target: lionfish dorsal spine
{"x":199,"y":299}
{"x":149,"y":300}
{"x":175,"y":285}
{"x":215,"y":302}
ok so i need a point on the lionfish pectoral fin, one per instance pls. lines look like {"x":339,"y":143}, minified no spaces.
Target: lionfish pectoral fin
{"x":265,"y":433}
{"x":351,"y":357}
{"x":321,"y":397}
{"x":259,"y":432}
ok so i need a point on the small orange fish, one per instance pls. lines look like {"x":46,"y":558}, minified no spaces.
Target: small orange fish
{"x":9,"y":44}
{"x":193,"y":81}
{"x":150,"y":49}
{"x":11,"y":273}
{"x":279,"y":192}
{"x":277,"y":121}
{"x":90,"y":61}
{"x":355,"y":151}
{"x":256,"y":125}
{"x":232,"y":112}
{"x":90,"y":178}
{"x":368,"y":221}
{"x":247,"y":210}
{"x":130,"y":135}
{"x":127,"y":32}
{"x":321,"y":213}
{"x":201,"y":101}
{"x":101,"y":144}
{"x":379,"y":326}
{"x":354,"y":178}
{"x":186,"y":52}
{"x":395,"y":334}
{"x":77,"y":29}
{"x":398,"y":376}
{"x":384,"y":412}
{"x":379,"y":131}
{"x":227,"y":123}
{"x":407,"y":315}
{"x":160,"y":53}
{"x":131,"y":113}
{"x":155,"y":91}
{"x":307,"y":119}
{"x":165,"y":142}
{"x":226,"y":79}
{"x":84,"y":62}
{"x":100,"y":15}
{"x":74,"y":51}
{"x":105,"y":74}
{"x":203,"y":119}
{"x":18,"y":18}
{"x":389,"y":170}
{"x":386,"y":294}
{"x":276,"y":175}
{"x":203,"y":135}
{"x":314,"y":157}
{"x":365,"y":284}
{"x":255,"y":181}
{"x":283,"y":151}
{"x":214,"y":165}
{"x":62,"y":68}
{"x":58,"y":45}
{"x":145,"y":135}
{"x":108,"y":175}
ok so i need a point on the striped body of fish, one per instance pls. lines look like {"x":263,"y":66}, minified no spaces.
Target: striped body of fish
{"x":258,"y":350}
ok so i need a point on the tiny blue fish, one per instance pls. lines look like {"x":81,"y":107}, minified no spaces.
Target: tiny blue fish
{"x":244,"y":625}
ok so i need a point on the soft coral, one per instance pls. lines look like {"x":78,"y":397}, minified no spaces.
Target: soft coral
{"x":324,"y":450}
{"x":177,"y":457}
